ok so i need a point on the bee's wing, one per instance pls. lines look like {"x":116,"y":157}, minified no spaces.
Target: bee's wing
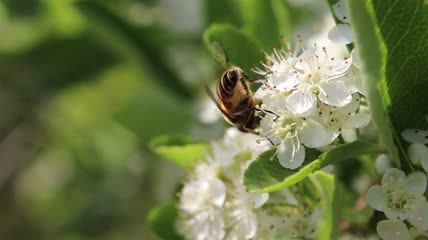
{"x":220,"y":60}
{"x":216,"y":102}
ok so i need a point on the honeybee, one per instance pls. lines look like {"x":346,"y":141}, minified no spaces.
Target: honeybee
{"x":233,"y":96}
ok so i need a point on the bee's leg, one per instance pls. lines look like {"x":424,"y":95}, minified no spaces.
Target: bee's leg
{"x":268,"y":111}
{"x":259,"y":77}
{"x":249,"y":130}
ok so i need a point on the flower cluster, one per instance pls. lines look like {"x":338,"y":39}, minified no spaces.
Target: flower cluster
{"x":401,"y":199}
{"x":309,"y":99}
{"x":214,"y":202}
{"x":215,"y":205}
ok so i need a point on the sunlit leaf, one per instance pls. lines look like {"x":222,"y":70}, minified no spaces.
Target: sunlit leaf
{"x":265,"y":174}
{"x":180,"y":150}
{"x":325,"y":184}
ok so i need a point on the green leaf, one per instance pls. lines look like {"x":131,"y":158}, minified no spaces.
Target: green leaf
{"x":265,"y":174}
{"x":241,"y":48}
{"x":403,"y":28}
{"x":162,"y":220}
{"x":148,"y":113}
{"x":325,"y":184}
{"x":372,"y":54}
{"x":393,"y":39}
{"x":180,"y":150}
{"x":266,"y":21}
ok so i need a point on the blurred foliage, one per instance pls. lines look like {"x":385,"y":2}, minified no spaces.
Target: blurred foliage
{"x":85,"y":87}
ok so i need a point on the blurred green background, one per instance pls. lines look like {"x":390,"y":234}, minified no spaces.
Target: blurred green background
{"x":85,"y":86}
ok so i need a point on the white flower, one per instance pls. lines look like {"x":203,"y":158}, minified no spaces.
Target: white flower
{"x":342,"y":32}
{"x":309,"y":99}
{"x":418,"y":217}
{"x":208,"y":224}
{"x":214,"y":203}
{"x":202,"y":199}
{"x":418,"y":154}
{"x":282,"y":130}
{"x":236,"y":142}
{"x":337,"y":119}
{"x":307,"y":77}
{"x":397,"y":194}
{"x":291,"y":133}
{"x":353,"y":76}
{"x":382,"y":164}
{"x":417,"y":151}
{"x":393,"y":230}
{"x":242,"y":210}
{"x":415,"y":136}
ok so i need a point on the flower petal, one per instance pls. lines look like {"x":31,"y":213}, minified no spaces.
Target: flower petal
{"x":334,"y":93}
{"x":218,"y":192}
{"x":416,"y":183}
{"x":340,"y":12}
{"x":424,"y":160}
{"x":415,"y":136}
{"x":341,"y":34}
{"x":291,"y":154}
{"x":301,"y":103}
{"x":393,"y":230}
{"x":393,"y":179}
{"x":382,"y":164}
{"x":396,"y":213}
{"x":357,"y":121}
{"x":314,"y":135}
{"x":355,"y":55}
{"x":349,"y":135}
{"x":418,"y":215}
{"x":282,"y":76}
{"x":274,"y":101}
{"x":259,"y":199}
{"x":417,"y":153}
{"x":249,"y":225}
{"x":376,"y":197}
